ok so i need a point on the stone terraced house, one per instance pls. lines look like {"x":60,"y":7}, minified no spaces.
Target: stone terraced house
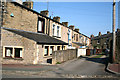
{"x":29,"y":37}
{"x":105,"y":42}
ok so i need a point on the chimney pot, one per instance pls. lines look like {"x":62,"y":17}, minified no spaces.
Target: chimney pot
{"x":28,"y":3}
{"x":71,"y":27}
{"x":99,"y":34}
{"x":45,"y":13}
{"x":65,"y":23}
{"x":118,"y":30}
{"x":77,"y":30}
{"x":92,"y":36}
{"x":108,"y":32}
{"x":57,"y":18}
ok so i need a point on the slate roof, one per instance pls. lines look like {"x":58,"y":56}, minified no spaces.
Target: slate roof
{"x":102,"y":36}
{"x":40,"y":38}
{"x":44,"y":16}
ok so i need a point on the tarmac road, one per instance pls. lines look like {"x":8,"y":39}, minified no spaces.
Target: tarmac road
{"x":77,"y":68}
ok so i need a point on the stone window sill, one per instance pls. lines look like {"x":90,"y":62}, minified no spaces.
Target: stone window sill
{"x":13,"y":58}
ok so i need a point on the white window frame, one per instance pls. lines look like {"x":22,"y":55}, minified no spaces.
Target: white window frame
{"x":58,"y":31}
{"x":13,"y":51}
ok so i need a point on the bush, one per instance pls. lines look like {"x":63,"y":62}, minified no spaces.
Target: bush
{"x":58,"y":63}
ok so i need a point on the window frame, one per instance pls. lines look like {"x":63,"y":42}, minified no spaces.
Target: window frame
{"x":43,"y":25}
{"x":6,"y":52}
{"x":13,"y":51}
{"x":58,"y":31}
{"x":76,"y":37}
{"x":47,"y":51}
{"x":52,"y":49}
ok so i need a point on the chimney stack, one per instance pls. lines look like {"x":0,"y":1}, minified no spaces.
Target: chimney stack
{"x":57,"y":18}
{"x":65,"y":23}
{"x":28,"y":4}
{"x":76,"y":29}
{"x":108,"y":32}
{"x":45,"y":13}
{"x":71,"y":27}
{"x":99,"y":34}
{"x":92,"y":36}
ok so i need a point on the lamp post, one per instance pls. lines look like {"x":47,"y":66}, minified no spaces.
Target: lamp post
{"x":114,"y":34}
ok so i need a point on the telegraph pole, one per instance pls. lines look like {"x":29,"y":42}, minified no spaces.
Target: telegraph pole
{"x":114,"y":34}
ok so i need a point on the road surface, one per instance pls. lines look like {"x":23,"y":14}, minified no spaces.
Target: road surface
{"x":77,"y":68}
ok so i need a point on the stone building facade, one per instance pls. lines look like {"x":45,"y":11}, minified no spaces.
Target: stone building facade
{"x":101,"y":41}
{"x":29,"y":37}
{"x":105,"y":42}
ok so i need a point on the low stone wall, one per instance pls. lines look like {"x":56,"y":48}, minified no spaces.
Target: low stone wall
{"x":63,"y":55}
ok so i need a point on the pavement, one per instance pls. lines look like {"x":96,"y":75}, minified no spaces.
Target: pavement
{"x":114,"y":68}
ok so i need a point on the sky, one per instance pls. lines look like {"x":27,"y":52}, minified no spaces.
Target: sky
{"x":89,"y":17}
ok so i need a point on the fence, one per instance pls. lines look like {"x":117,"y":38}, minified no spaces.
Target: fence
{"x":63,"y":55}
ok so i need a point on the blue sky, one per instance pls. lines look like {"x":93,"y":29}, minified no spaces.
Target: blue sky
{"x":89,"y":17}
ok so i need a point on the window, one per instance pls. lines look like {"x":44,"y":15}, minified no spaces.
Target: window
{"x":69,"y":34}
{"x":63,"y":47}
{"x":53,"y":30}
{"x":86,"y":40}
{"x":76,"y":37}
{"x":58,"y":31}
{"x":46,"y":51}
{"x":13,"y":52}
{"x":80,"y":37}
{"x":58,"y":47}
{"x":51,"y":50}
{"x":40,"y":25}
{"x":98,"y":41}
{"x":8,"y":52}
{"x":18,"y":52}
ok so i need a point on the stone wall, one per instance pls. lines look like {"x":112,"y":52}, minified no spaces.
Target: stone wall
{"x":23,"y":20}
{"x":103,"y":44}
{"x":63,"y":55}
{"x":29,"y":46}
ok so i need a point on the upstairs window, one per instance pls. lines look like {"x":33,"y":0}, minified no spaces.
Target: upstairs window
{"x":58,"y":31}
{"x":86,"y":40}
{"x":53,"y":30}
{"x":40,"y":25}
{"x":69,"y":34}
{"x":76,"y":37}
